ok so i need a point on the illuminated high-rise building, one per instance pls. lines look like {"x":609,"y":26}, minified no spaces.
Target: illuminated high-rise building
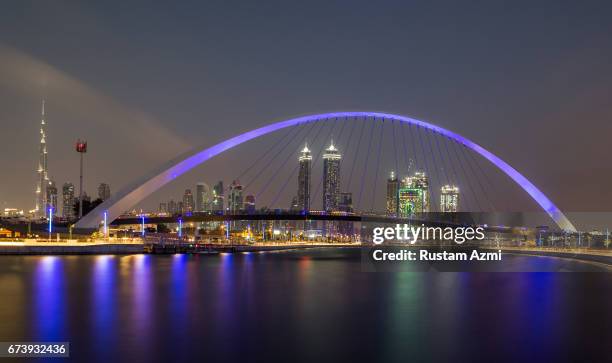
{"x":104,"y":192}
{"x":410,"y":201}
{"x":392,"y":194}
{"x":51,"y":194}
{"x":173,"y":207}
{"x":303,"y":197}
{"x":218,"y":198}
{"x":449,"y":199}
{"x":331,"y":178}
{"x":345,"y":202}
{"x":294,"y":204}
{"x":202,"y":198}
{"x":421,"y":181}
{"x":188,"y":203}
{"x":235,"y":200}
{"x":418,"y":181}
{"x":163,"y":208}
{"x":68,"y":201}
{"x":43,"y":177}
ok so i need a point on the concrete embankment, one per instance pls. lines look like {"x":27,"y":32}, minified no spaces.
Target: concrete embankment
{"x":89,"y":249}
{"x":110,"y":248}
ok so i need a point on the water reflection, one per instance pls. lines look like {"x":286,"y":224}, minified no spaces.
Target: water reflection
{"x":141,"y":318}
{"x":297,"y":304}
{"x":49,"y":302}
{"x":179,"y":292}
{"x":103,"y":288}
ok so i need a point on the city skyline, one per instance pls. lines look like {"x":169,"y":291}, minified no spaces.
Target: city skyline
{"x":84,"y":98}
{"x":280,"y":181}
{"x":424,"y":199}
{"x":333,"y":200}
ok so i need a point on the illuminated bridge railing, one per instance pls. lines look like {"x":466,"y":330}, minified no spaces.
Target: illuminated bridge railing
{"x":429,"y":218}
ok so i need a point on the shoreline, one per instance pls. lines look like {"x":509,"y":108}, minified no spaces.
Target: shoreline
{"x":52,"y":248}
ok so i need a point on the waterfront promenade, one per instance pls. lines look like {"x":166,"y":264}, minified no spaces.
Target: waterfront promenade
{"x":131,"y":246}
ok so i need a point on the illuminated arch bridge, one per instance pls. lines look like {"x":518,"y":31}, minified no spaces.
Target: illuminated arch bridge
{"x":142,"y":188}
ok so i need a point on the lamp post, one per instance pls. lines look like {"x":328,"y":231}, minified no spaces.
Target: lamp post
{"x":105,"y":224}
{"x":50,"y":222}
{"x":143,"y":225}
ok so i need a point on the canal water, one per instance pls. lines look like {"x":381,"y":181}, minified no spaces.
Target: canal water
{"x":310,"y":306}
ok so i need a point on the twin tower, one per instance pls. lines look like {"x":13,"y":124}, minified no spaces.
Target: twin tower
{"x":331,"y":179}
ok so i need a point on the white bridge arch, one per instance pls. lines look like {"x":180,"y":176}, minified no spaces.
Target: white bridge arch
{"x":137,"y":191}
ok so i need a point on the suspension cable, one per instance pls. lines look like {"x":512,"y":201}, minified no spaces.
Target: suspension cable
{"x":394,"y":146}
{"x":300,"y":128}
{"x":365,"y":168}
{"x":413,"y":142}
{"x":427,"y":166}
{"x":484,"y":191}
{"x":289,"y":155}
{"x":356,"y":155}
{"x":380,"y":142}
{"x":261,"y":157}
{"x":467,"y":180}
{"x":348,"y":143}
{"x":486,"y":177}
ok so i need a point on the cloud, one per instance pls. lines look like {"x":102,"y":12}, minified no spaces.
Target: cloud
{"x":124,"y":142}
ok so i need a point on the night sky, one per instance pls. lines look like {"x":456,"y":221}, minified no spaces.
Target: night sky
{"x":529,"y":80}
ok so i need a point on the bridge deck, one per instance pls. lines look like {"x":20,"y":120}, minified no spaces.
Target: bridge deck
{"x":438,"y":219}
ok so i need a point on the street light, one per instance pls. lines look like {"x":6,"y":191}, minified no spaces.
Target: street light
{"x":50,"y":222}
{"x":142,"y":224}
{"x":105,"y":224}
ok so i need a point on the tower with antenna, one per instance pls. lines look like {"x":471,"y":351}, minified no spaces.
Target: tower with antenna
{"x":43,"y":175}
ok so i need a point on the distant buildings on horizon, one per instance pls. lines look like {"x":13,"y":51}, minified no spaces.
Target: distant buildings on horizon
{"x":46,"y":193}
{"x":404,"y":198}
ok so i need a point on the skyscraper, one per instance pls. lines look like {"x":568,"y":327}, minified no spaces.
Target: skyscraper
{"x":41,"y":187}
{"x":172,"y":207}
{"x":305,"y":160}
{"x":410,"y":201}
{"x":51,"y":193}
{"x":345,"y":202}
{"x":249,"y":204}
{"x":104,"y":192}
{"x":294,"y":204}
{"x":202,"y":199}
{"x":449,"y":199}
{"x":218,"y":198}
{"x":68,"y":201}
{"x":392,"y":194}
{"x":331,"y":178}
{"x":421,"y":181}
{"x":188,"y":201}
{"x":235,"y":201}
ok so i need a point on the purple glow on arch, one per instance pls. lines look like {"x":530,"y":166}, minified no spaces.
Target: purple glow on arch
{"x":133,"y":194}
